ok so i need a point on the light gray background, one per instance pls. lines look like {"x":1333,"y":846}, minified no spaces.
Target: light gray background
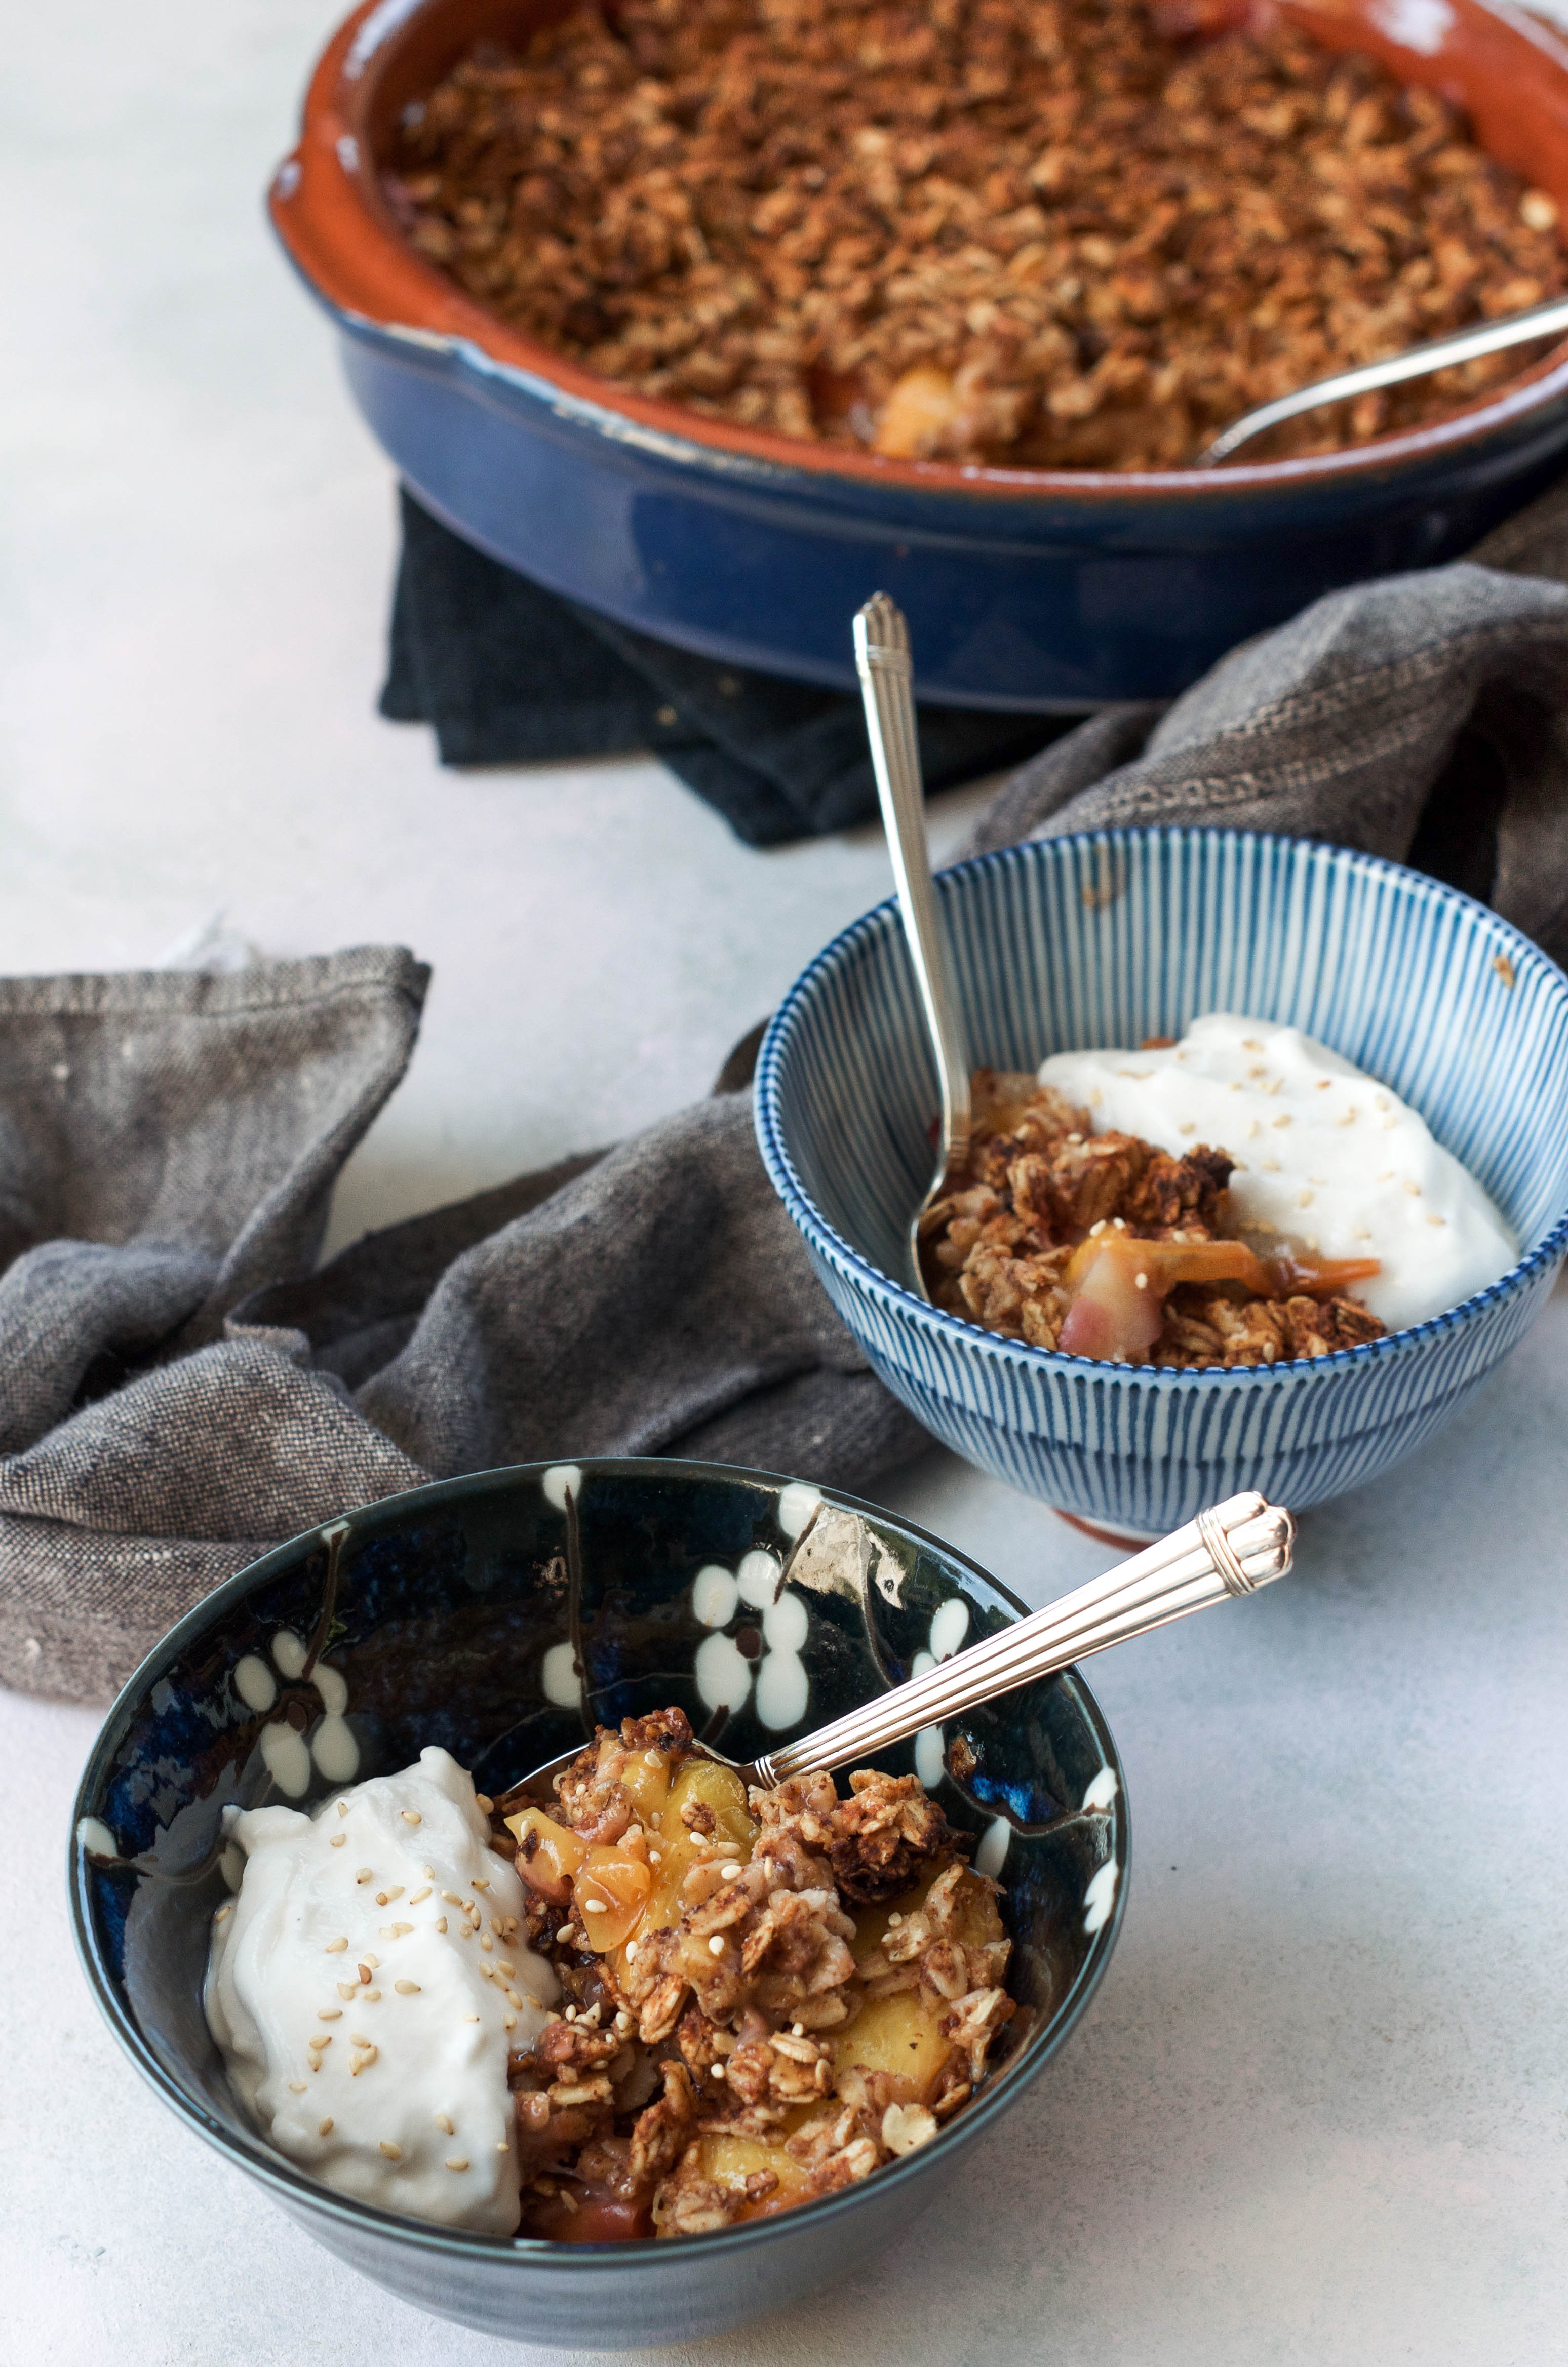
{"x":1318,"y":2111}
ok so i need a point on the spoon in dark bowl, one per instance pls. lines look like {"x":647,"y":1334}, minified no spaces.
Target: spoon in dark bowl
{"x":887,"y":683}
{"x":1231,"y":1549}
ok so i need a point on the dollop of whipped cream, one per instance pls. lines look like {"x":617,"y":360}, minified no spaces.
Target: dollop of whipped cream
{"x":365,"y":1986}
{"x":1328,"y":1159}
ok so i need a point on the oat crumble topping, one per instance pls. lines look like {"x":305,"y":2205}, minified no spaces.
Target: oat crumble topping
{"x":1043,"y":232}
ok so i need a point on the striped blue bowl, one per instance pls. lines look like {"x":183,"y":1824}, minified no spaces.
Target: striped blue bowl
{"x":1104,"y":939}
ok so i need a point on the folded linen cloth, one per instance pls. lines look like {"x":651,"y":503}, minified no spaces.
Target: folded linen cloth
{"x":509,"y":674}
{"x":177,"y":1388}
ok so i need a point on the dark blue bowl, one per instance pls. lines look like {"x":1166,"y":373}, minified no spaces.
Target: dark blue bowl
{"x":452,"y":1613}
{"x":1025,"y":589}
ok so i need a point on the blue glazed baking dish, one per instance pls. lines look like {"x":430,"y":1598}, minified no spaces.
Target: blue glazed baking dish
{"x":449,"y":1611}
{"x":1104,"y":939}
{"x":1024,"y":589}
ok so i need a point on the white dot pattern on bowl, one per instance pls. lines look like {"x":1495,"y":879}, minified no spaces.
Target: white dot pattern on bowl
{"x":1102,"y":1792}
{"x":929,"y":1764}
{"x":797,"y":1502}
{"x":722,"y":1672}
{"x":558,"y":1479}
{"x":991,"y":1852}
{"x":1100,"y":1895}
{"x":560,"y":1677}
{"x":255,"y":1683}
{"x":714,"y":1595}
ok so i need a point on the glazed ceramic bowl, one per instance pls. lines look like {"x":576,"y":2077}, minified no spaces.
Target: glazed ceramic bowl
{"x":453,"y":1613}
{"x":1103,"y":940}
{"x":1024,"y":588}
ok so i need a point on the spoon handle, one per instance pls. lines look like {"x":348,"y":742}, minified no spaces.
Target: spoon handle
{"x":882,"y":662}
{"x":1234,"y":1549}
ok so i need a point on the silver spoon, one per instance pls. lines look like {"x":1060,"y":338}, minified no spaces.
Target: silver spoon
{"x":1464,"y":346}
{"x":1233,"y":1549}
{"x":882,"y":662}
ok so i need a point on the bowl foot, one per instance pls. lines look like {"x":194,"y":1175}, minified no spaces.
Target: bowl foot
{"x":1131,"y":1538}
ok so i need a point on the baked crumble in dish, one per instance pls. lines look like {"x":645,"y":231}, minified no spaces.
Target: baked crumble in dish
{"x":1047,"y":233}
{"x":1101,"y":1245}
{"x":764,"y":1995}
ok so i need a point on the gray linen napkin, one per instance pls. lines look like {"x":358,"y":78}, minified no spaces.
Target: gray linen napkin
{"x":178,"y":1389}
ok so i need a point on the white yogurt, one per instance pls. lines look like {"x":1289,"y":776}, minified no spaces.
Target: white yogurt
{"x":1326,"y":1157}
{"x":405,"y":2104}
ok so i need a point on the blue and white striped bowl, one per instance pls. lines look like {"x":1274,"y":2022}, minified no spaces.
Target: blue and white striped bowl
{"x":1104,"y":939}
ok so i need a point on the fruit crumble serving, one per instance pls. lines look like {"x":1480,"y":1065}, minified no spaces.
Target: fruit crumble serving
{"x":765,"y":1996}
{"x":1101,"y":1245}
{"x":1049,"y":233}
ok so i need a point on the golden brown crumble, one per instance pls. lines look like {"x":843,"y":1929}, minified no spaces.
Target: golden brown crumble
{"x":1048,"y":232}
{"x":735,"y":2042}
{"x":1054,"y":1225}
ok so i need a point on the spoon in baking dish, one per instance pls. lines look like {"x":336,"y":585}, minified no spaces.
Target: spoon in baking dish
{"x":1442,"y":353}
{"x":887,"y":683}
{"x":1231,"y":1549}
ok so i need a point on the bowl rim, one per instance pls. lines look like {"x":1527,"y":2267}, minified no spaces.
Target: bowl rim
{"x":327,"y":210}
{"x":293,"y":2187}
{"x":883,"y":922}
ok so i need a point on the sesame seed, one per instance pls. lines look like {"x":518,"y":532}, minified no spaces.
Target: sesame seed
{"x":487,"y":1972}
{"x":330,"y":2013}
{"x":364,"y":1875}
{"x":222,"y":1912}
{"x":1119,"y":1223}
{"x":590,"y":1907}
{"x":570,"y":2014}
{"x":457,"y":2161}
{"x":1437,"y":1220}
{"x":343,"y":1807}
{"x":392,"y":1930}
{"x":441,"y":1924}
{"x":567,"y":1935}
{"x":657,"y":1856}
{"x":1303,"y":1199}
{"x":623,"y":2020}
{"x":321,"y":2038}
{"x":298,"y":2088}
{"x":482,"y":1882}
{"x":406,"y":1989}
{"x":716,"y":1946}
{"x":419,"y":1898}
{"x":797,"y":2030}
{"x":502,"y":2146}
{"x":1414,"y":1189}
{"x":369,"y":1959}
{"x":717,"y":2072}
{"x":362,"y":2062}
{"x":412,"y":1817}
{"x":326,"y":2128}
{"x":364,"y":1973}
{"x":358,"y":2038}
{"x":392,"y":2152}
{"x":471,"y":2017}
{"x":510,"y":2021}
{"x":894,"y":1921}
{"x":486,"y":1941}
{"x":483,"y":1802}
{"x":348,"y":1988}
{"x":428,"y":1872}
{"x":504,"y":1964}
{"x":1284,"y":1118}
{"x":370,"y":1997}
{"x":335,"y":1947}
{"x":632,"y":1952}
{"x":1139,"y":1281}
{"x":451,"y":1897}
{"x":385,"y":1898}
{"x":1097,"y":1228}
{"x":512,"y":1999}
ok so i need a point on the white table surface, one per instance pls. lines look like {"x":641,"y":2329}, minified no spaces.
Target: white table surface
{"x":1318,"y":2110}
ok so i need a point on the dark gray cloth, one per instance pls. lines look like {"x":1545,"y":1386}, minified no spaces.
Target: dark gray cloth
{"x":1423,"y":717}
{"x":178,"y":1389}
